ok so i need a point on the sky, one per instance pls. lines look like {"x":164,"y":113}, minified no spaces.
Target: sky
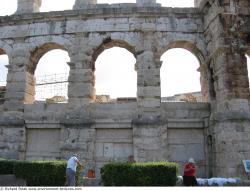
{"x":122,"y":82}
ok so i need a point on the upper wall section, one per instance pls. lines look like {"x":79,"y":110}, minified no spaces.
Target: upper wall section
{"x":165,"y":19}
{"x":31,"y":6}
{"x":167,"y":25}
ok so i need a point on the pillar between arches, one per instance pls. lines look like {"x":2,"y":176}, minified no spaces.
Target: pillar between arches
{"x":146,"y":3}
{"x":148,"y":86}
{"x":28,"y":6}
{"x":79,"y":4}
{"x":81,"y":89}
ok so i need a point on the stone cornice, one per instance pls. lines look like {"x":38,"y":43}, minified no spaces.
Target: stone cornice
{"x":101,"y":12}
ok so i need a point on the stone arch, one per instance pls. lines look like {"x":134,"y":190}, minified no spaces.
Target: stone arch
{"x":110,"y":43}
{"x":5,"y":48}
{"x":38,"y":52}
{"x":247,"y":62}
{"x":3,"y":78}
{"x":192,"y":48}
{"x":35,"y":55}
{"x":2,"y":52}
{"x":248,"y":52}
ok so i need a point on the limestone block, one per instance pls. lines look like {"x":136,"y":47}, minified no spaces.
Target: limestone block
{"x":146,"y":2}
{"x":185,"y":136}
{"x":82,"y":75}
{"x":43,"y":112}
{"x":197,"y":3}
{"x":113,"y":111}
{"x":28,"y":6}
{"x":108,"y":150}
{"x":13,"y":105}
{"x":80,"y":90}
{"x":123,"y":150}
{"x":99,"y":150}
{"x":43,"y":144}
{"x":149,"y":91}
{"x":16,"y":95}
{"x":79,"y":4}
{"x":149,"y":102}
{"x":240,"y":105}
{"x":78,"y":102}
{"x":20,"y":76}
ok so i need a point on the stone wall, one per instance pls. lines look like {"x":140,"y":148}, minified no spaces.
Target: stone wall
{"x":215,"y":133}
{"x":113,"y":134}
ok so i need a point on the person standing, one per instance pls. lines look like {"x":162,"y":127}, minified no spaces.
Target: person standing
{"x":71,"y":170}
{"x":189,"y":178}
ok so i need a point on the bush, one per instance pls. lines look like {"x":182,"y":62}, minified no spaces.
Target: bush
{"x":37,"y":173}
{"x":7,"y":166}
{"x":139,"y":174}
{"x":41,"y":173}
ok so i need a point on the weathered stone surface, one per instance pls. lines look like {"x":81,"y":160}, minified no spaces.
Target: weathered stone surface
{"x":27,"y":6}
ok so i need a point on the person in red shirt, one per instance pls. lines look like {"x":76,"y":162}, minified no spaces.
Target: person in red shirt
{"x":189,"y":178}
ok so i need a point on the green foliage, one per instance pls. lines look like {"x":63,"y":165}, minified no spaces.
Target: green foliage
{"x":41,"y":173}
{"x":139,"y":174}
{"x":7,"y":166}
{"x":36,"y":173}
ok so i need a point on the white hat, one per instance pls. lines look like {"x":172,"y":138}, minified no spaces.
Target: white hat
{"x":191,"y":160}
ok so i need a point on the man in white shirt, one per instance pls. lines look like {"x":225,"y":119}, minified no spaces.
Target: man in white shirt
{"x":71,"y":170}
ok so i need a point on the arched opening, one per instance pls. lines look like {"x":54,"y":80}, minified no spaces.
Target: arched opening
{"x":180,"y":79}
{"x":4,"y":61}
{"x":8,"y":7}
{"x":176,"y":3}
{"x":56,"y":5}
{"x":115,"y":75}
{"x":49,"y":66}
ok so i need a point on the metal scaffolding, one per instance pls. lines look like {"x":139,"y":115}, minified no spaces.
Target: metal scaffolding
{"x":53,"y":85}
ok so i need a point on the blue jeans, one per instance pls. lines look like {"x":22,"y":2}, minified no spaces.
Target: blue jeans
{"x":70,"y":177}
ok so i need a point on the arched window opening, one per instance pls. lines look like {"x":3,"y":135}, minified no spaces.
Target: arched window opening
{"x":56,"y":5}
{"x":176,"y":3}
{"x":180,"y":80}
{"x":115,"y":75}
{"x":4,"y":61}
{"x":51,"y":75}
{"x":8,"y":7}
